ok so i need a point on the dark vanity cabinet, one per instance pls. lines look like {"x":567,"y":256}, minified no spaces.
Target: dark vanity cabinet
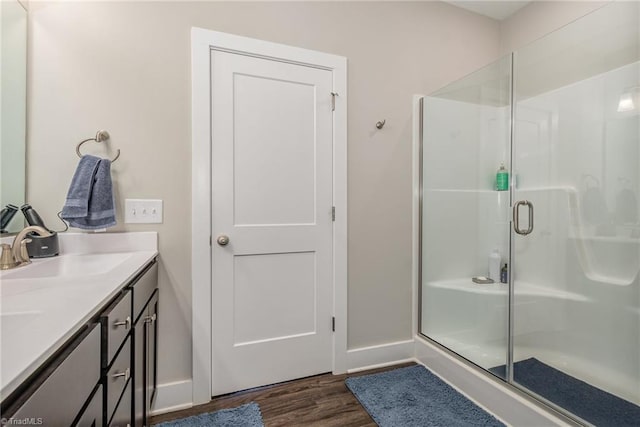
{"x":105,"y":375}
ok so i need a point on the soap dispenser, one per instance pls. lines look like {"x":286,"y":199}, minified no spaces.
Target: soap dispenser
{"x":494,"y":265}
{"x":502,"y":178}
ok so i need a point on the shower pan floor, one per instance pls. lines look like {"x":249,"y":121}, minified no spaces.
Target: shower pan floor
{"x":624,"y":385}
{"x":492,"y":354}
{"x":579,"y":397}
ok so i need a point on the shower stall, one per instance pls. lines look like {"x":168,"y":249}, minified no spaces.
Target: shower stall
{"x":563,"y":116}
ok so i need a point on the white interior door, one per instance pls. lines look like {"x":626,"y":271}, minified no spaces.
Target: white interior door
{"x":272,"y":288}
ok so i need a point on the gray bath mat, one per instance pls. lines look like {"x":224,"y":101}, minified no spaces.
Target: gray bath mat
{"x":414,"y":397}
{"x":243,"y":416}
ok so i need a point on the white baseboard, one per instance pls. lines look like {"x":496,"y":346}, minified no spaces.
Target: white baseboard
{"x":173,"y":397}
{"x":378,"y":356}
{"x":488,"y":392}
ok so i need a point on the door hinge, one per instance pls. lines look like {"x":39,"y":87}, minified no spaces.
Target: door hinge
{"x":210,"y":240}
{"x":333,"y":100}
{"x":333,"y":213}
{"x":333,"y":324}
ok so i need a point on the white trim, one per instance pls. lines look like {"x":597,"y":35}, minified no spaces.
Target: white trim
{"x":202,"y":41}
{"x":171,"y":397}
{"x":383,"y":365}
{"x":488,"y":392}
{"x":378,"y":356}
{"x":201,"y":223}
{"x":340,"y":273}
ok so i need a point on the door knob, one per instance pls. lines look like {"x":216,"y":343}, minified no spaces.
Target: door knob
{"x":223,"y":240}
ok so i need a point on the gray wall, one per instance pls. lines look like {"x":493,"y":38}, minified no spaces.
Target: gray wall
{"x":125,"y":67}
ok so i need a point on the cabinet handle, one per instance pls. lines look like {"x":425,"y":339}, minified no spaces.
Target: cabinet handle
{"x":150,"y":319}
{"x":126,"y":374}
{"x":126,"y":323}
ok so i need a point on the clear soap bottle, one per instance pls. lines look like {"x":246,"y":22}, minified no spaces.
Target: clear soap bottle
{"x":494,"y":265}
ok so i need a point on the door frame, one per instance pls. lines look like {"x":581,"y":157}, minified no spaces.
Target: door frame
{"x":202,"y":43}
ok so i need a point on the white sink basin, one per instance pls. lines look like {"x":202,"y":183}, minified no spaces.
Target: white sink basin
{"x":67,"y":266}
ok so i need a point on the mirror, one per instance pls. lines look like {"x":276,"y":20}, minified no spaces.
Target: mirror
{"x":13,"y":106}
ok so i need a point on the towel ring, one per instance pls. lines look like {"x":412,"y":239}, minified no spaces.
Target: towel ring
{"x":101,"y":136}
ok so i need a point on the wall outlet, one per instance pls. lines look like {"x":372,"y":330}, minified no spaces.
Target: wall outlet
{"x":142,"y":211}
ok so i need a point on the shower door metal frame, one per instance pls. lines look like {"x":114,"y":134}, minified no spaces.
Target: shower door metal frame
{"x":420,"y":201}
{"x":512,"y":254}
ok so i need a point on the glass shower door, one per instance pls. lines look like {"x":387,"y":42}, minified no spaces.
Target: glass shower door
{"x":576,"y":231}
{"x":466,"y":137}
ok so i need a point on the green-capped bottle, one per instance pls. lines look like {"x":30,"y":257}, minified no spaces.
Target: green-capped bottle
{"x":502,"y":178}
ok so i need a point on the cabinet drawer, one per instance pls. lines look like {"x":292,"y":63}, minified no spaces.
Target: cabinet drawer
{"x":118,"y":377}
{"x":83,"y":367}
{"x":122,"y":416}
{"x":143,"y":289}
{"x":92,"y":415}
{"x":116,"y":323}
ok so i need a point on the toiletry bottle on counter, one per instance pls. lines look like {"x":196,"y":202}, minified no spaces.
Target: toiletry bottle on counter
{"x":494,"y":265}
{"x":502,"y":178}
{"x":504,"y":278}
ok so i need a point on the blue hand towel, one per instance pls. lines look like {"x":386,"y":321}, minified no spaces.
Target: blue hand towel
{"x":77,"y":203}
{"x":89,"y":203}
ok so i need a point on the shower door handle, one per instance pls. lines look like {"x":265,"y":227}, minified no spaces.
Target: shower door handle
{"x":516,"y":217}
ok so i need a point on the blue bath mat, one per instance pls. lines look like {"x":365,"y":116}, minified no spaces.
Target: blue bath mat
{"x":586,"y":401}
{"x":243,"y":416}
{"x":414,"y":397}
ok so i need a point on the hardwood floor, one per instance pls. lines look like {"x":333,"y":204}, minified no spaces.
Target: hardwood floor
{"x":322,"y":400}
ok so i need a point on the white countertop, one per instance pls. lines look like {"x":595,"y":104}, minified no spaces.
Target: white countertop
{"x":40,"y":312}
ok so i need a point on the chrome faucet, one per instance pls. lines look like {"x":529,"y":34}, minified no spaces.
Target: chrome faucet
{"x":16,"y":255}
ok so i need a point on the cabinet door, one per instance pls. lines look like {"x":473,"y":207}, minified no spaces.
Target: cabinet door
{"x":117,"y":378}
{"x":93,"y":414}
{"x":139,"y":368}
{"x":151,"y":353}
{"x":143,"y":288}
{"x":122,"y":414}
{"x":74,"y":374}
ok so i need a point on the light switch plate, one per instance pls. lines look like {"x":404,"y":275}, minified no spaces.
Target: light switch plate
{"x":142,"y":211}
